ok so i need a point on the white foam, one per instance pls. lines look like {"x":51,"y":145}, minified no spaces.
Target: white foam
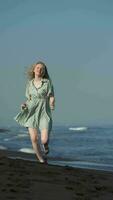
{"x":26,"y":150}
{"x":23,"y":131}
{"x":21,"y":135}
{"x":78,"y":128}
{"x":2,"y":147}
{"x":6,"y":139}
{"x":16,"y":137}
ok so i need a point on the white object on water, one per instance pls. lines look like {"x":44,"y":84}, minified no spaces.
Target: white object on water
{"x":22,"y":135}
{"x":26,"y":150}
{"x":19,"y":136}
{"x":2,"y":147}
{"x":78,"y":128}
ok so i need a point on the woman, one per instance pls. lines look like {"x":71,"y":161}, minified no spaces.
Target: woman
{"x":36,"y":112}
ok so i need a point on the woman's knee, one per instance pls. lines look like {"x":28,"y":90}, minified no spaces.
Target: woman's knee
{"x":44,"y":140}
{"x":44,"y":136}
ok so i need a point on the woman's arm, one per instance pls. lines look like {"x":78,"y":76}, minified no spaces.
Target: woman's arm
{"x":51,"y":95}
{"x":27,"y":95}
{"x":52,"y":102}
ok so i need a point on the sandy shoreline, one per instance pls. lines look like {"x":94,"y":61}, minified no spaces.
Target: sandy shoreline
{"x":24,"y":179}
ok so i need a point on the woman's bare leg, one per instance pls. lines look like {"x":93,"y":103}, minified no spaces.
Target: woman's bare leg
{"x":45,"y":139}
{"x":34,"y":139}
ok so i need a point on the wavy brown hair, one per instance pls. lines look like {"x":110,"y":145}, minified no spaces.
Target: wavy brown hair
{"x":30,"y":71}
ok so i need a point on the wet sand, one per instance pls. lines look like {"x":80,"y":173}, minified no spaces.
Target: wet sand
{"x":24,"y":179}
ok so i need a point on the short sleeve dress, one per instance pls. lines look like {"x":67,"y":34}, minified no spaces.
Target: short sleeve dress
{"x":38,"y":113}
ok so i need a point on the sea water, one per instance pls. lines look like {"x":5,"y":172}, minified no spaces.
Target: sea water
{"x":83,"y":147}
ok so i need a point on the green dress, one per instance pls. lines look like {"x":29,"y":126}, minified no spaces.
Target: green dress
{"x":38,"y":113}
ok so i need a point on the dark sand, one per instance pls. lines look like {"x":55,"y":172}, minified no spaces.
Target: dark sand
{"x":23,"y":179}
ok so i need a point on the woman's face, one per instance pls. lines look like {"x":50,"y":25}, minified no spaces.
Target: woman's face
{"x":39,"y":70}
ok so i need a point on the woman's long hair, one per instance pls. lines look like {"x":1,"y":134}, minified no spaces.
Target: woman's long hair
{"x":31,"y":74}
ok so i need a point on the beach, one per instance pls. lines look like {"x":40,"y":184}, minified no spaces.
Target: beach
{"x":24,"y":179}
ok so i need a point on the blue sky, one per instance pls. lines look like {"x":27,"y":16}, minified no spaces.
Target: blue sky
{"x":75,"y":40}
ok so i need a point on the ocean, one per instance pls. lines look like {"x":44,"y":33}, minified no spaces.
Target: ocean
{"x":83,"y":147}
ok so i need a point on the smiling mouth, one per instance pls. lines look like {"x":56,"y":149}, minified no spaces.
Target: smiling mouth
{"x":38,"y":72}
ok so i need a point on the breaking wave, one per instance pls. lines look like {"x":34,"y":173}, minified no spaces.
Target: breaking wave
{"x":26,"y":150}
{"x":78,"y":128}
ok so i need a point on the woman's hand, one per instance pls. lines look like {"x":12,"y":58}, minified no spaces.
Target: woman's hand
{"x":23,"y":106}
{"x":52,"y":102}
